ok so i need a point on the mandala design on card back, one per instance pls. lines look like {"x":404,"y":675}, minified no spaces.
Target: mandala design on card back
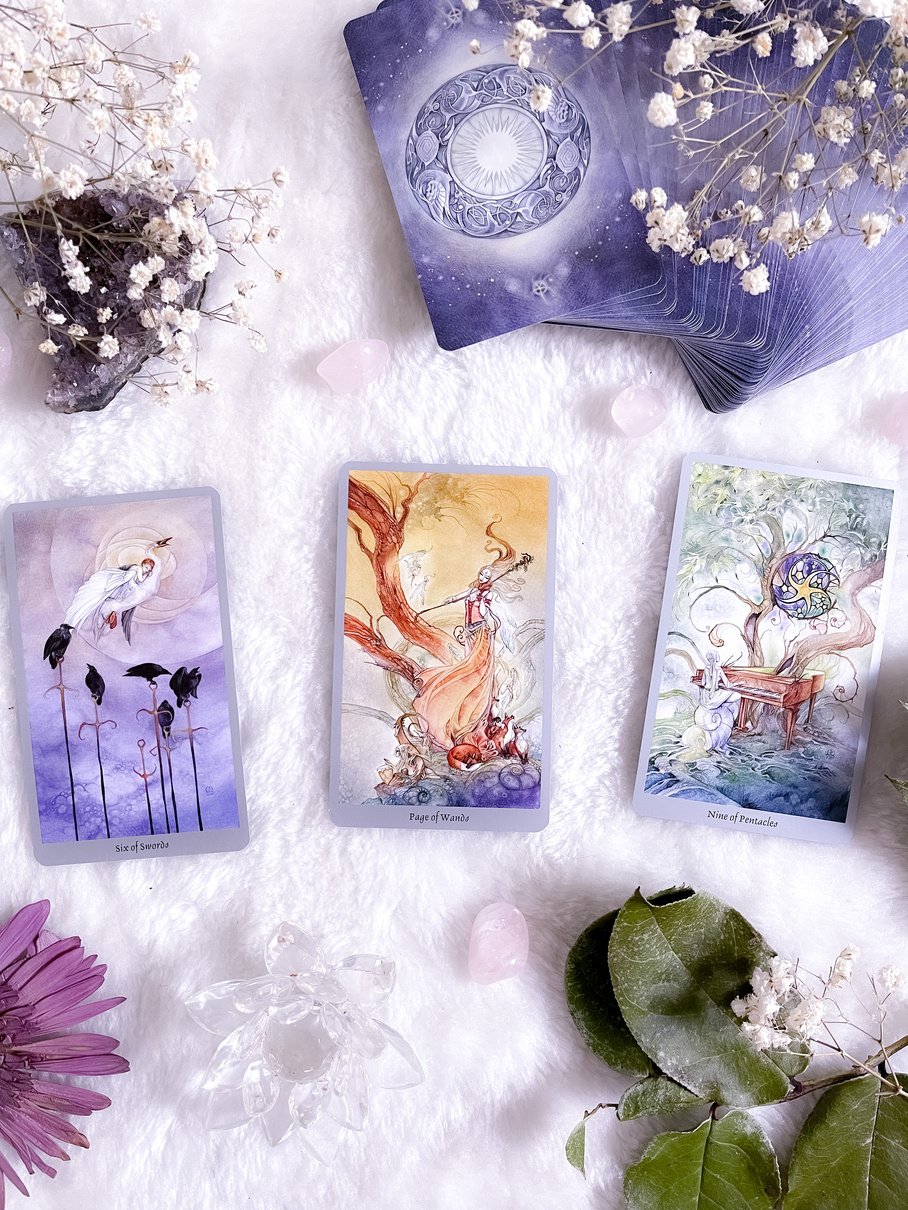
{"x":480,"y":160}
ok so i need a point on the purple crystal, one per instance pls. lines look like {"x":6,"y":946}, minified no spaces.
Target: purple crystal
{"x":83,"y":382}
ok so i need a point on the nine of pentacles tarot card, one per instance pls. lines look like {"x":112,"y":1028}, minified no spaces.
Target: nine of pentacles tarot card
{"x":768,"y":649}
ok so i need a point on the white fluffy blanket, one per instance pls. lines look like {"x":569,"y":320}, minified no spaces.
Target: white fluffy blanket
{"x":506,"y":1074}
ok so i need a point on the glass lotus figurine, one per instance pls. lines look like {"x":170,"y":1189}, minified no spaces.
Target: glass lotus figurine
{"x":302,"y":1049}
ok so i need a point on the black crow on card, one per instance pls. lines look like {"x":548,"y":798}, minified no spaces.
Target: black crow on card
{"x":166,"y":717}
{"x":185,"y":684}
{"x":57,"y":643}
{"x":95,"y":683}
{"x":148,"y":672}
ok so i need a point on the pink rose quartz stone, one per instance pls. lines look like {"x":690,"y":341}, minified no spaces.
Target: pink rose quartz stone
{"x":356,"y":364}
{"x":891,"y":419}
{"x":499,"y":943}
{"x":637,"y":410}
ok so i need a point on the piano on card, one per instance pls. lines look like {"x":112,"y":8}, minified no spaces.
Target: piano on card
{"x":768,"y":688}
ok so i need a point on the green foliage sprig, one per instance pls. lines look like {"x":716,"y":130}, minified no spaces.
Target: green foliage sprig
{"x":682,"y":993}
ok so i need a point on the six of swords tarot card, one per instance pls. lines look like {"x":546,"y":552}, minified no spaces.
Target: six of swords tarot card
{"x":126,"y":688}
{"x":443,"y":656}
{"x":768,"y":650}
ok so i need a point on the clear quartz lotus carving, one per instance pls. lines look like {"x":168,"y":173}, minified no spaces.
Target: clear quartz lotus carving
{"x":301,"y":1050}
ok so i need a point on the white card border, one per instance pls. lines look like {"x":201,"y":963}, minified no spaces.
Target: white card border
{"x":692,"y":811}
{"x":71,"y":852}
{"x":482,"y":819}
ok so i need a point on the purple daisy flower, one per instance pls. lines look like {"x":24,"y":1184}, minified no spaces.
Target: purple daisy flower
{"x":44,"y":985}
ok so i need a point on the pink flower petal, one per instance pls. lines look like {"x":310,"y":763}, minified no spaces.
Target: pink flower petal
{"x":27,"y":1139}
{"x":67,"y":1098}
{"x":68,"y":995}
{"x":84,"y":1065}
{"x":31,"y":966}
{"x":46,"y":984}
{"x":65,"y":1045}
{"x":60,"y":1018}
{"x":53,"y":1126}
{"x":7,"y":1170}
{"x":21,"y":930}
{"x":46,"y":1168}
{"x":41,"y":974}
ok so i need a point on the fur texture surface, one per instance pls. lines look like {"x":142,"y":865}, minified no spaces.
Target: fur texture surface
{"x":507,"y":1076}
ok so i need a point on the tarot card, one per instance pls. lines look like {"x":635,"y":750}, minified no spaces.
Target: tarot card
{"x":768,"y":650}
{"x":125,"y":674}
{"x":443,"y":647}
{"x":512,"y":217}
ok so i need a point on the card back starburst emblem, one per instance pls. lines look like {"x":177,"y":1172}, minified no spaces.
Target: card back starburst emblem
{"x":480,"y":160}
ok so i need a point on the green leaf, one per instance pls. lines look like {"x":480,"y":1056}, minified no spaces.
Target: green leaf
{"x":676,"y":967}
{"x":591,"y":1000}
{"x":852,"y":1153}
{"x":792,"y":1061}
{"x":575,"y":1147}
{"x":656,"y":1095}
{"x":722,"y":1165}
{"x":901,"y":786}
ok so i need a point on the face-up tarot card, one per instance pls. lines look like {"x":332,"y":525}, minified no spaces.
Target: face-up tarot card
{"x":443,"y":648}
{"x":768,"y":650}
{"x":125,"y":672}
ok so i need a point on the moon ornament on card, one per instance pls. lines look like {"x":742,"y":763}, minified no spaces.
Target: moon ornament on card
{"x":803,"y":584}
{"x":480,"y":160}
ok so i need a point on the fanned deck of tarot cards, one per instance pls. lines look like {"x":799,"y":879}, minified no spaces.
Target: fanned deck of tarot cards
{"x":515,"y":217}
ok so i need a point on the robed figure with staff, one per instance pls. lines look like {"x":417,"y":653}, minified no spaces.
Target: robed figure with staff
{"x":455,"y":703}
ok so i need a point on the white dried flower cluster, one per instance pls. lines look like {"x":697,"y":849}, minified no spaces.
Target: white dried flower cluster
{"x":75,"y":272}
{"x":874,"y":227}
{"x":782,"y":1009}
{"x":618,"y":21}
{"x":778,"y":1011}
{"x":787,"y":164}
{"x":890,"y":979}
{"x":578,"y":14}
{"x":93,"y":113}
{"x":843,"y":968}
{"x":755,"y":280}
{"x":810,"y":44}
{"x":668,"y":226}
{"x":541,"y":97}
{"x":662,"y":111}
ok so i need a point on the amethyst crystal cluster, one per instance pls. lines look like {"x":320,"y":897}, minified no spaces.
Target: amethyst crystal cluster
{"x":111,"y":238}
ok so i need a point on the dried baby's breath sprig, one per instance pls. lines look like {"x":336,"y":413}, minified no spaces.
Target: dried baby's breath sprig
{"x":115,"y":217}
{"x":786,"y":177}
{"x":788,"y":1007}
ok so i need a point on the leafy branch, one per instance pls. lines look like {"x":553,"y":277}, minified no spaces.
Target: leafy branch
{"x":660,"y":991}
